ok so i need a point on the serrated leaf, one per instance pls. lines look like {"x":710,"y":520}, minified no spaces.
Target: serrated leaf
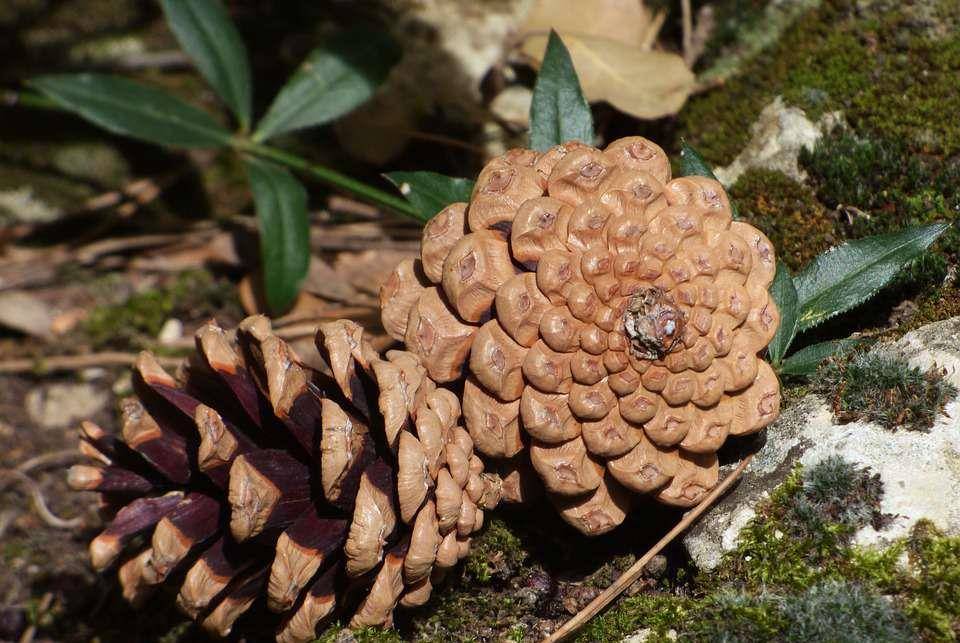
{"x":333,"y":80}
{"x":558,"y":112}
{"x":848,"y":275}
{"x":806,"y":360}
{"x":281,"y":204}
{"x":131,"y":109}
{"x":784,"y":295}
{"x":430,"y":192}
{"x":205,"y":31}
{"x":692,"y":164}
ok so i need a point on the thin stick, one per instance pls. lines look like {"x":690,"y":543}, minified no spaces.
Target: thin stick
{"x":42,"y":608}
{"x":687,"y":11}
{"x":51,"y":459}
{"x":77,"y":362}
{"x":39,"y":502}
{"x":628,"y":577}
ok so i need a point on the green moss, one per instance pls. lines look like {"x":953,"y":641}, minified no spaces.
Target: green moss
{"x":138,"y":319}
{"x":940,"y":303}
{"x":659,"y":612}
{"x":841,"y":610}
{"x":882,"y":186}
{"x":497,"y":550}
{"x":464,"y":616}
{"x":802,"y":534}
{"x":933,"y":596}
{"x":885,"y":389}
{"x":835,"y":491}
{"x":787,"y":212}
{"x":362,"y":635}
{"x":864,"y":59}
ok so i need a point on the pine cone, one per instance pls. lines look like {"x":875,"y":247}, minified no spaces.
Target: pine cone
{"x":610,"y":314}
{"x":250,"y":475}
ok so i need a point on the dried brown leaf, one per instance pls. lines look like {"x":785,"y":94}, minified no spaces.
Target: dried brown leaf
{"x":645,"y":84}
{"x":625,"y":21}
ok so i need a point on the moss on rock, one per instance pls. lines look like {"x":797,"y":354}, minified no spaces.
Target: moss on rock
{"x":889,"y":67}
{"x":885,"y":389}
{"x":787,"y":212}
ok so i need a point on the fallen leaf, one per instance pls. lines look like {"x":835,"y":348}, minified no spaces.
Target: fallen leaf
{"x":368,"y":270}
{"x":645,"y":84}
{"x":322,"y":280}
{"x":624,"y":21}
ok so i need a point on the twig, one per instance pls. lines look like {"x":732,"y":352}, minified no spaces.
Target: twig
{"x":50,"y":459}
{"x":653,"y":30}
{"x":687,"y":16}
{"x":39,"y":502}
{"x":628,"y":577}
{"x":31,"y":631}
{"x":77,"y":362}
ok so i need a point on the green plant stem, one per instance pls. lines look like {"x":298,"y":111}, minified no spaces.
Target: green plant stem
{"x":326,"y":175}
{"x":323,"y":174}
{"x":13,"y":98}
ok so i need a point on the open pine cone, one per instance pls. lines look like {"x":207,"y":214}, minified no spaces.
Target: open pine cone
{"x":250,"y":476}
{"x":611,"y":314}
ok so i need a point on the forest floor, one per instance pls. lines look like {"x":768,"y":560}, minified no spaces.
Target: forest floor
{"x":153,"y":244}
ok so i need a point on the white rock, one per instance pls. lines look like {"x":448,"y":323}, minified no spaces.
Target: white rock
{"x":643,"y":635}
{"x":61,"y":405}
{"x":777,"y":138}
{"x":170,"y":332}
{"x":920,"y":471}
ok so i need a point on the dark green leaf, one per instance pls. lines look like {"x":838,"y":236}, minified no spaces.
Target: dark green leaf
{"x":430,"y":192}
{"x":806,"y":361}
{"x":559,"y":112}
{"x":281,"y":203}
{"x":784,"y":295}
{"x":124,"y":107}
{"x":204,"y":30}
{"x":692,"y":164}
{"x":848,"y":275}
{"x":333,"y":80}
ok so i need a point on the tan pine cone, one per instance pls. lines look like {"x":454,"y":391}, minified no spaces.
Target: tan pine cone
{"x":606,"y":315}
{"x":252,"y":476}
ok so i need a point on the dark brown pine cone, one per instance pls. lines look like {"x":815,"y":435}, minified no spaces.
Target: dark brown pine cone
{"x":604,"y":318}
{"x":249,"y":478}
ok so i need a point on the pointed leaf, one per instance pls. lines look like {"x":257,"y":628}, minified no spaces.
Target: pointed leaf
{"x":281,"y":203}
{"x":807,"y":360}
{"x":692,"y":164}
{"x":430,"y":192}
{"x":333,"y":80}
{"x":785,"y":296}
{"x":204,"y":30}
{"x":131,"y":109}
{"x":638,"y":81}
{"x":559,"y":112}
{"x":848,"y":275}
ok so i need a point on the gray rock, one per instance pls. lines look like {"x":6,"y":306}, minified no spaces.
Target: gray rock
{"x":26,"y":313}
{"x":920,"y":471}
{"x":777,"y":138}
